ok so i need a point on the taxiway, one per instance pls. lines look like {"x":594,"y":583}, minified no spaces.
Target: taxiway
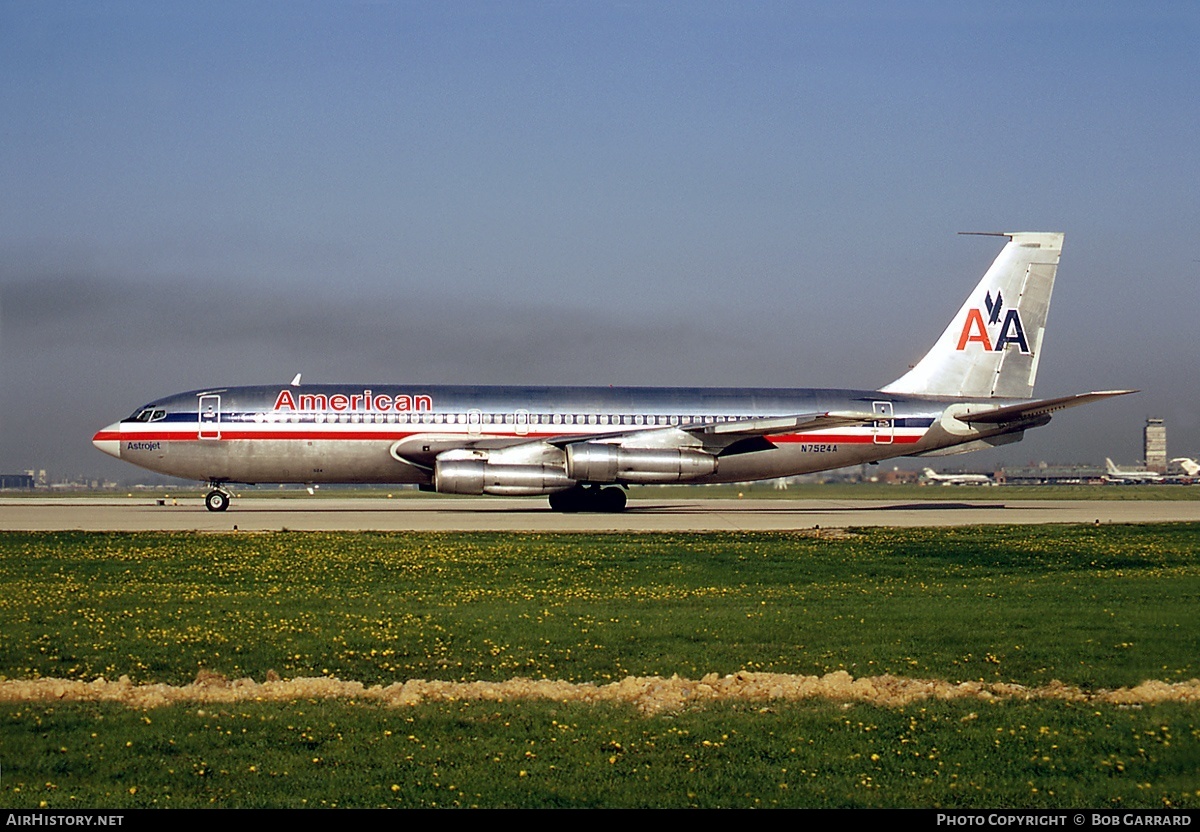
{"x":465,"y":514}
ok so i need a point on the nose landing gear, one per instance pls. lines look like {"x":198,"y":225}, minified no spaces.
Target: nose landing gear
{"x":217,"y":499}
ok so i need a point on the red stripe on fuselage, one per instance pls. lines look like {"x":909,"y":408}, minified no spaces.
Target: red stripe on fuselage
{"x":848,"y":439}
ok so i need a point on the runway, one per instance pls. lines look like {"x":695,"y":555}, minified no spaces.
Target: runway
{"x":499,"y":514}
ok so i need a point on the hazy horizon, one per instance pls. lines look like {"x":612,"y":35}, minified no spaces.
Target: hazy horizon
{"x":548,"y":193}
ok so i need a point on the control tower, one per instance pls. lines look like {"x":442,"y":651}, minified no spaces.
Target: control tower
{"x":1156,"y":445}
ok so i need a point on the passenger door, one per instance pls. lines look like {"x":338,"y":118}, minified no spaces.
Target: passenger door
{"x":210,"y":416}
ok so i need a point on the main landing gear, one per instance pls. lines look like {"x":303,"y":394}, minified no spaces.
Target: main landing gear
{"x":217,"y":499}
{"x":589,"y":498}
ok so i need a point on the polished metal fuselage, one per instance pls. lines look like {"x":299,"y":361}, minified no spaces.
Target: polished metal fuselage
{"x":392,"y":433}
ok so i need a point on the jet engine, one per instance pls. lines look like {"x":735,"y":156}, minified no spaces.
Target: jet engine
{"x":478,"y":476}
{"x":598,"y":462}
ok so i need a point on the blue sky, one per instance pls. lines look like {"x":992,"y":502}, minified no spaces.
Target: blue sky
{"x":553,"y":192}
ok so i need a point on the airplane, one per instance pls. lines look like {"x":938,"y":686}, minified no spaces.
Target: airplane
{"x":1115,"y":474}
{"x":957,"y":479}
{"x":1190,"y":467}
{"x":582,"y":446}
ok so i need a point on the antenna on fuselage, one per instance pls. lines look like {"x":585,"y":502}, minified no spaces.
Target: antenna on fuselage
{"x":296,"y":380}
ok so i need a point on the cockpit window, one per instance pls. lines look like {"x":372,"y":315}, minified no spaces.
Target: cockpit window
{"x":147,"y":414}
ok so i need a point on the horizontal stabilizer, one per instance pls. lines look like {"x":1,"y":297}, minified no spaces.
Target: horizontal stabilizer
{"x":1042,"y":407}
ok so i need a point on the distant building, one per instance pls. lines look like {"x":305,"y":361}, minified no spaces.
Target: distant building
{"x":23,"y":481}
{"x":1044,"y":474}
{"x":899,"y":476}
{"x":1156,"y":445}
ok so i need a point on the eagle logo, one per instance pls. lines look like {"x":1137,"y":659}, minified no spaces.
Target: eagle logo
{"x":978,"y":331}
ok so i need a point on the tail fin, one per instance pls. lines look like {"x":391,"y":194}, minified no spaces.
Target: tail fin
{"x":1110,"y":466}
{"x":992,"y":346}
{"x":1189,"y":465}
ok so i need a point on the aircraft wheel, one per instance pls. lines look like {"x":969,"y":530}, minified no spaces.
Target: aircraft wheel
{"x":611,"y":500}
{"x":216,"y":501}
{"x":567,"y":501}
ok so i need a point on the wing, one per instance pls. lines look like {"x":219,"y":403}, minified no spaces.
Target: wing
{"x":647,"y":454}
{"x":720,"y":437}
{"x":742,"y":428}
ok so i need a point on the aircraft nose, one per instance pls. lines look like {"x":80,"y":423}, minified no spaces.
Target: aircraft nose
{"x":109,"y":440}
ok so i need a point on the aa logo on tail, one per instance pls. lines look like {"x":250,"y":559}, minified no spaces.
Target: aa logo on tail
{"x":976,"y":329}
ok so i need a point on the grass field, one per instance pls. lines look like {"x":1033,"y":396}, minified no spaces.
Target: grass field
{"x":1095,"y":607}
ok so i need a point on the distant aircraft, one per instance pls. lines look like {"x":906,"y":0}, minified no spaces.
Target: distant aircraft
{"x":1115,"y":474}
{"x":582,"y":445}
{"x":957,"y":479}
{"x":1190,"y":466}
